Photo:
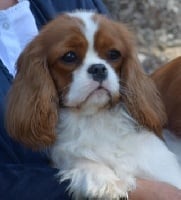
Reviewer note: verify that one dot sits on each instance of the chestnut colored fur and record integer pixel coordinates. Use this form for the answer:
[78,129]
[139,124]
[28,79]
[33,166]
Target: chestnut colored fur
[33,107]
[168,80]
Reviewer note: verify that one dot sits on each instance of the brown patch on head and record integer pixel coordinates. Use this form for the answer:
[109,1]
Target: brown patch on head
[106,39]
[72,42]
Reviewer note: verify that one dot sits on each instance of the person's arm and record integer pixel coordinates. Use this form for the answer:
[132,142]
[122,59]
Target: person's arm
[153,190]
[26,182]
[4,4]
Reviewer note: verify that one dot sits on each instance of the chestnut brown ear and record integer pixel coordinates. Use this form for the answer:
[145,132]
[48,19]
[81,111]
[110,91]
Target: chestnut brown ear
[32,110]
[141,96]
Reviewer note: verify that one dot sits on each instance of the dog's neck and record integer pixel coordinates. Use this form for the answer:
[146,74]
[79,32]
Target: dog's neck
[72,120]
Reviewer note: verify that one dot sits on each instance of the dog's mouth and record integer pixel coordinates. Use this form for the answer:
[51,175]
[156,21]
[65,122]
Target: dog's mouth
[99,92]
[97,97]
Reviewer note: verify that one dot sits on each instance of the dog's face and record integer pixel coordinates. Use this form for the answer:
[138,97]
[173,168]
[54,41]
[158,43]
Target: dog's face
[84,62]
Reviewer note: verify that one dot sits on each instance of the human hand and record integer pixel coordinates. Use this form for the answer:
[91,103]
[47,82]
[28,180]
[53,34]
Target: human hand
[152,190]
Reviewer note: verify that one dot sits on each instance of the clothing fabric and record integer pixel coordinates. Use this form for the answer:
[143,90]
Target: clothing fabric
[24,174]
[18,27]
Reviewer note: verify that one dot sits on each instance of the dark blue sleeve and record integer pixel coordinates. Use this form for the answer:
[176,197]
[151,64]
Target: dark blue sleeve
[30,182]
[44,12]
[24,174]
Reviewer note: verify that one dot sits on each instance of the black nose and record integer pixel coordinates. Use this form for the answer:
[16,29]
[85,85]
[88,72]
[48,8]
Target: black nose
[98,71]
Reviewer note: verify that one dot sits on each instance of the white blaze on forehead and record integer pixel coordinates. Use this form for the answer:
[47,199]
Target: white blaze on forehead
[89,27]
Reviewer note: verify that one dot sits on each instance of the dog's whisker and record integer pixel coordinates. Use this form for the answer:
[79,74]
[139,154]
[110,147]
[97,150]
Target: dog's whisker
[125,91]
[65,87]
[121,81]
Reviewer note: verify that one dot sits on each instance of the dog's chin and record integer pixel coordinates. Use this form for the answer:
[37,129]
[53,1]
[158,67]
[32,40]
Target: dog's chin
[99,96]
[92,102]
[96,100]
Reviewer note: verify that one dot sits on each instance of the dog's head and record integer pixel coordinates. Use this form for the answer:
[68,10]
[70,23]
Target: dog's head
[85,62]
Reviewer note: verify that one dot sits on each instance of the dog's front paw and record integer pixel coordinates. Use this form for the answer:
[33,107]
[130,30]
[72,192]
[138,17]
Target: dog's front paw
[100,184]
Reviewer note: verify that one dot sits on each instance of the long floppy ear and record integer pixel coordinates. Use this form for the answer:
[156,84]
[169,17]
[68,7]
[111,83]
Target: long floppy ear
[32,110]
[141,96]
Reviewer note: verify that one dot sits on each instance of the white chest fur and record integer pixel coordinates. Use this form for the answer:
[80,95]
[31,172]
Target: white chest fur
[111,140]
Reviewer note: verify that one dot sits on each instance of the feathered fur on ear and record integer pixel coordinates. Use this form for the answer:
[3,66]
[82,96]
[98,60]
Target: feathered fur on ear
[141,96]
[32,110]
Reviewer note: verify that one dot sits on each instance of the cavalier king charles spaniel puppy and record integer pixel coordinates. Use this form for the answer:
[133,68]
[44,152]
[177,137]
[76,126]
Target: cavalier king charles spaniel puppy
[80,92]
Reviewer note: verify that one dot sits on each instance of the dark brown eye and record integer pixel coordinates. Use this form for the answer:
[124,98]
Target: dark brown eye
[113,55]
[69,57]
